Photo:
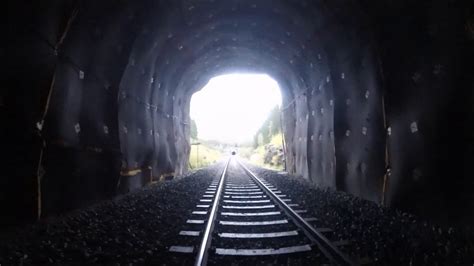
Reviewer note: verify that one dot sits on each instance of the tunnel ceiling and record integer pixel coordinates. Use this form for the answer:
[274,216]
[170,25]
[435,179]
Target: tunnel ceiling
[370,92]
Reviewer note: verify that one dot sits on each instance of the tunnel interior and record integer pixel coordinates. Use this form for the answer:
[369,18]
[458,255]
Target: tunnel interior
[376,96]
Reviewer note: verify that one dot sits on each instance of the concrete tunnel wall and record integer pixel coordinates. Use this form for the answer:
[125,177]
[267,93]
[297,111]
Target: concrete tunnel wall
[377,97]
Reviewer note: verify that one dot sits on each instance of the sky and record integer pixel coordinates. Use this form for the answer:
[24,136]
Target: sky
[232,107]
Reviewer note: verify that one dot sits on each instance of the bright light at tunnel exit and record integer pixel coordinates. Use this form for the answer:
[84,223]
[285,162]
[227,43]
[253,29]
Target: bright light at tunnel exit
[231,108]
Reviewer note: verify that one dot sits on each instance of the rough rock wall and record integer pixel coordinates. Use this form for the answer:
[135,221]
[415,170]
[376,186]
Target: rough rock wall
[377,100]
[82,155]
[426,58]
[336,136]
[33,32]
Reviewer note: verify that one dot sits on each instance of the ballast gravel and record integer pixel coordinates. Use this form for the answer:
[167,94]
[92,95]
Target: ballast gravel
[377,235]
[138,228]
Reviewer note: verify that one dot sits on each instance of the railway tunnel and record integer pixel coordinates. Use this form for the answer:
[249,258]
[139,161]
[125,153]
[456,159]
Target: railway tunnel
[377,96]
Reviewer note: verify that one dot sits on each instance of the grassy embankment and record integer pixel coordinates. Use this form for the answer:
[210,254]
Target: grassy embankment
[208,154]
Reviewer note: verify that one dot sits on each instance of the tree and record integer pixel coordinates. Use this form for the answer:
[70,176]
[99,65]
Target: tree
[269,128]
[194,130]
[260,139]
[255,141]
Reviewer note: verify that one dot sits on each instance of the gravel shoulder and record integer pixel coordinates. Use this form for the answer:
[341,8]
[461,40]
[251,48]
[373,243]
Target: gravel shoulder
[136,228]
[139,227]
[385,236]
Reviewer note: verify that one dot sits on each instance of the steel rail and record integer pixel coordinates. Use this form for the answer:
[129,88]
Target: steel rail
[201,257]
[324,244]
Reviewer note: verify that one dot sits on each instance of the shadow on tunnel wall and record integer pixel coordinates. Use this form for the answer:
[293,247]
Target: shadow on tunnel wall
[377,97]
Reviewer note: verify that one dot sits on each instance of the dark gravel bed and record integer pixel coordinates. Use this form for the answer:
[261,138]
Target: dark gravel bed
[138,228]
[386,236]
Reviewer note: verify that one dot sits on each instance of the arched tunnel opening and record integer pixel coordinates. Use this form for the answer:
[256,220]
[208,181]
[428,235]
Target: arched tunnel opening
[231,108]
[376,97]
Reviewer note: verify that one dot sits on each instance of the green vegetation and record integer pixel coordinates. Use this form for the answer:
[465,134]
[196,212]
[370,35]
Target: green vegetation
[194,129]
[209,153]
[269,155]
[270,128]
[267,148]
[203,153]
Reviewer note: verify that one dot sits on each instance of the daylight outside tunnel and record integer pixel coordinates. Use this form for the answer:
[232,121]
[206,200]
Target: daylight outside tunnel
[376,109]
[239,113]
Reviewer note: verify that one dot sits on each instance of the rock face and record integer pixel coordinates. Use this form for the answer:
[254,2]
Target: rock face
[273,155]
[377,97]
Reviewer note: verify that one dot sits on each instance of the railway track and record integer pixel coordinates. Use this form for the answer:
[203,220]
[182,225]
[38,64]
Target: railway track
[243,219]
